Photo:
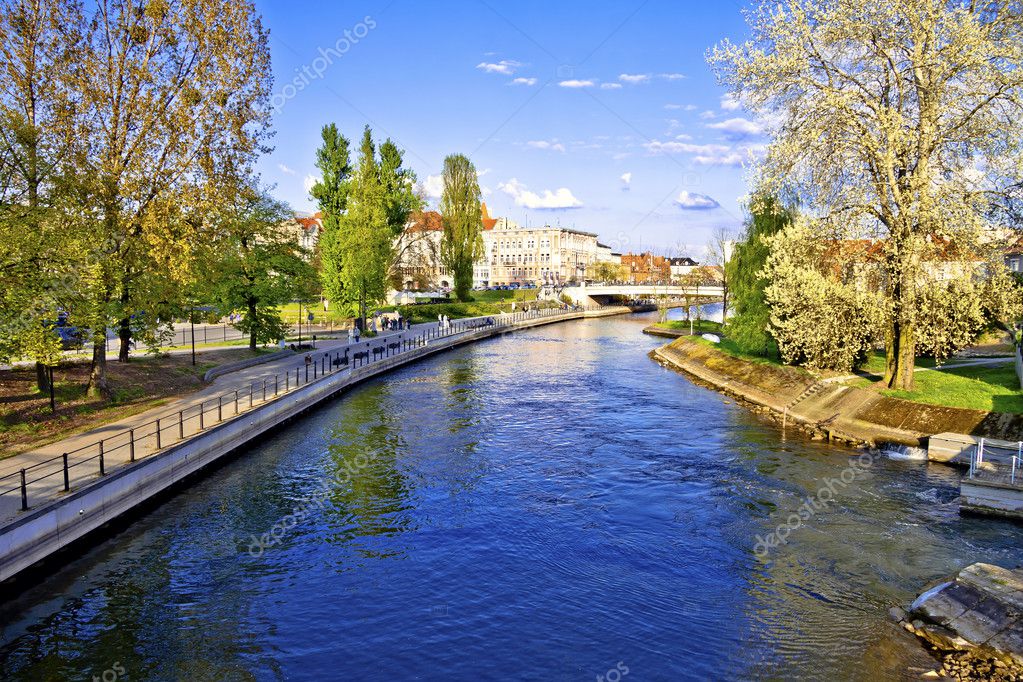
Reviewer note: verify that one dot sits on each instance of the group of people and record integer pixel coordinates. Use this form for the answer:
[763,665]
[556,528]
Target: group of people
[444,322]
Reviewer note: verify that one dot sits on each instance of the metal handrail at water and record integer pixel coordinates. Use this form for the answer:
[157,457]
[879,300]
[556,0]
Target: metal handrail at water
[132,444]
[994,461]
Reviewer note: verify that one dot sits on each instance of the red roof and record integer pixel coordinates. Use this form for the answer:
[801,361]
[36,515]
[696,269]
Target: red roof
[427,221]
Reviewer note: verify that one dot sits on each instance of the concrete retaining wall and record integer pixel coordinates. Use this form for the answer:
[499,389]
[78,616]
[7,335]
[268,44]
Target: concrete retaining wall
[42,531]
[832,410]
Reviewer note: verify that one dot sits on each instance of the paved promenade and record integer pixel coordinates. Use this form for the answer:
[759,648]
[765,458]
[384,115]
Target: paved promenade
[136,436]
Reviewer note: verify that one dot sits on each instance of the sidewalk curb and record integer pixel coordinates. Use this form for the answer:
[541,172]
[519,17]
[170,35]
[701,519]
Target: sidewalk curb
[220,370]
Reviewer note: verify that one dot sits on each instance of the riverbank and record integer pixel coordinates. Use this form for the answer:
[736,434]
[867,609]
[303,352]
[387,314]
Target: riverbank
[828,410]
[51,526]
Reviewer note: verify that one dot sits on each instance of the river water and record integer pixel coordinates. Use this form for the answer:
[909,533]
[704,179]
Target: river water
[550,504]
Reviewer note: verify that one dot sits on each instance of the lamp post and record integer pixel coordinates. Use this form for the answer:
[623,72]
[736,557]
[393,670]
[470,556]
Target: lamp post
[191,320]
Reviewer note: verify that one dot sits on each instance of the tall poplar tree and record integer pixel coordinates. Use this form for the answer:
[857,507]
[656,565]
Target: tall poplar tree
[365,240]
[462,243]
[331,194]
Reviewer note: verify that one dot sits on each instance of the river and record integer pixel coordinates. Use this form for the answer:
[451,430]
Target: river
[550,504]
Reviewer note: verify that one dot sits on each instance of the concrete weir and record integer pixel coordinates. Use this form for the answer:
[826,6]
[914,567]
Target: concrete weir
[43,531]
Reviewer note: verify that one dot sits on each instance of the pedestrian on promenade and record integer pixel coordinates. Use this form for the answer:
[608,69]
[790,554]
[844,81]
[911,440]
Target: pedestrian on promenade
[351,333]
[440,320]
[357,333]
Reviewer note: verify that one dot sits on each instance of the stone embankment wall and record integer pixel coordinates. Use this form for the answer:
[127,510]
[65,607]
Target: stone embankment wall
[854,415]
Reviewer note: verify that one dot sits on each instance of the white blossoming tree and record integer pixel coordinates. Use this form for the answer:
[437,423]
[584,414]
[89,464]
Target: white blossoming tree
[899,120]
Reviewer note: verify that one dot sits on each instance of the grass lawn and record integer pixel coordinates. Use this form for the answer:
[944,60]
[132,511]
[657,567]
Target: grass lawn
[699,326]
[989,388]
[136,386]
[729,347]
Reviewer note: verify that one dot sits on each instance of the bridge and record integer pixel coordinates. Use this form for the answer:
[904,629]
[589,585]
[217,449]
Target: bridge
[604,293]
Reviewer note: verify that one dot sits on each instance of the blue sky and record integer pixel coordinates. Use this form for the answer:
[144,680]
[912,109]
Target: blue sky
[602,117]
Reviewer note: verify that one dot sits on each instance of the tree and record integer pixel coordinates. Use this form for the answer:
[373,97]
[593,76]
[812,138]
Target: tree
[258,266]
[173,96]
[331,193]
[604,271]
[898,119]
[817,320]
[364,248]
[749,326]
[37,130]
[462,243]
[719,252]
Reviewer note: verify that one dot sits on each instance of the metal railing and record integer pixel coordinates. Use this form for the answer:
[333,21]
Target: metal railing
[997,462]
[149,438]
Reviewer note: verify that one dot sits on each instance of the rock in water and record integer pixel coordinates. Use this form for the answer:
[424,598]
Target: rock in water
[977,616]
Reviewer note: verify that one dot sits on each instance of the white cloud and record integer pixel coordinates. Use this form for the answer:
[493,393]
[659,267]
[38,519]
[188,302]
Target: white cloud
[729,103]
[481,173]
[505,66]
[707,115]
[553,145]
[738,127]
[576,84]
[524,81]
[672,76]
[710,154]
[634,78]
[561,198]
[434,186]
[691,201]
[610,86]
[680,107]
[284,169]
[309,181]
[626,181]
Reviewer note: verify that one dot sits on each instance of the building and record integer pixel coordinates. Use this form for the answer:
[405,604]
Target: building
[305,231]
[512,254]
[680,267]
[646,268]
[536,255]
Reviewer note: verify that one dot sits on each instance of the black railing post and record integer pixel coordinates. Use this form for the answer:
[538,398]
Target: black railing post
[220,408]
[24,492]
[276,382]
[131,445]
[181,425]
[202,416]
[264,389]
[158,434]
[67,479]
[102,471]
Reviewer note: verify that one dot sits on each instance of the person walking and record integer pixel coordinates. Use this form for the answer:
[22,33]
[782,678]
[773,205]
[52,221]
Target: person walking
[357,334]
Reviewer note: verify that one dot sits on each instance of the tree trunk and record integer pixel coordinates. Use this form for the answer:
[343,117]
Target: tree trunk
[251,313]
[42,378]
[900,338]
[124,334]
[98,387]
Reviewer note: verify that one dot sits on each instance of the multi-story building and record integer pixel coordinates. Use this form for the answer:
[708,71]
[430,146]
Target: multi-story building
[680,267]
[512,254]
[646,268]
[305,231]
